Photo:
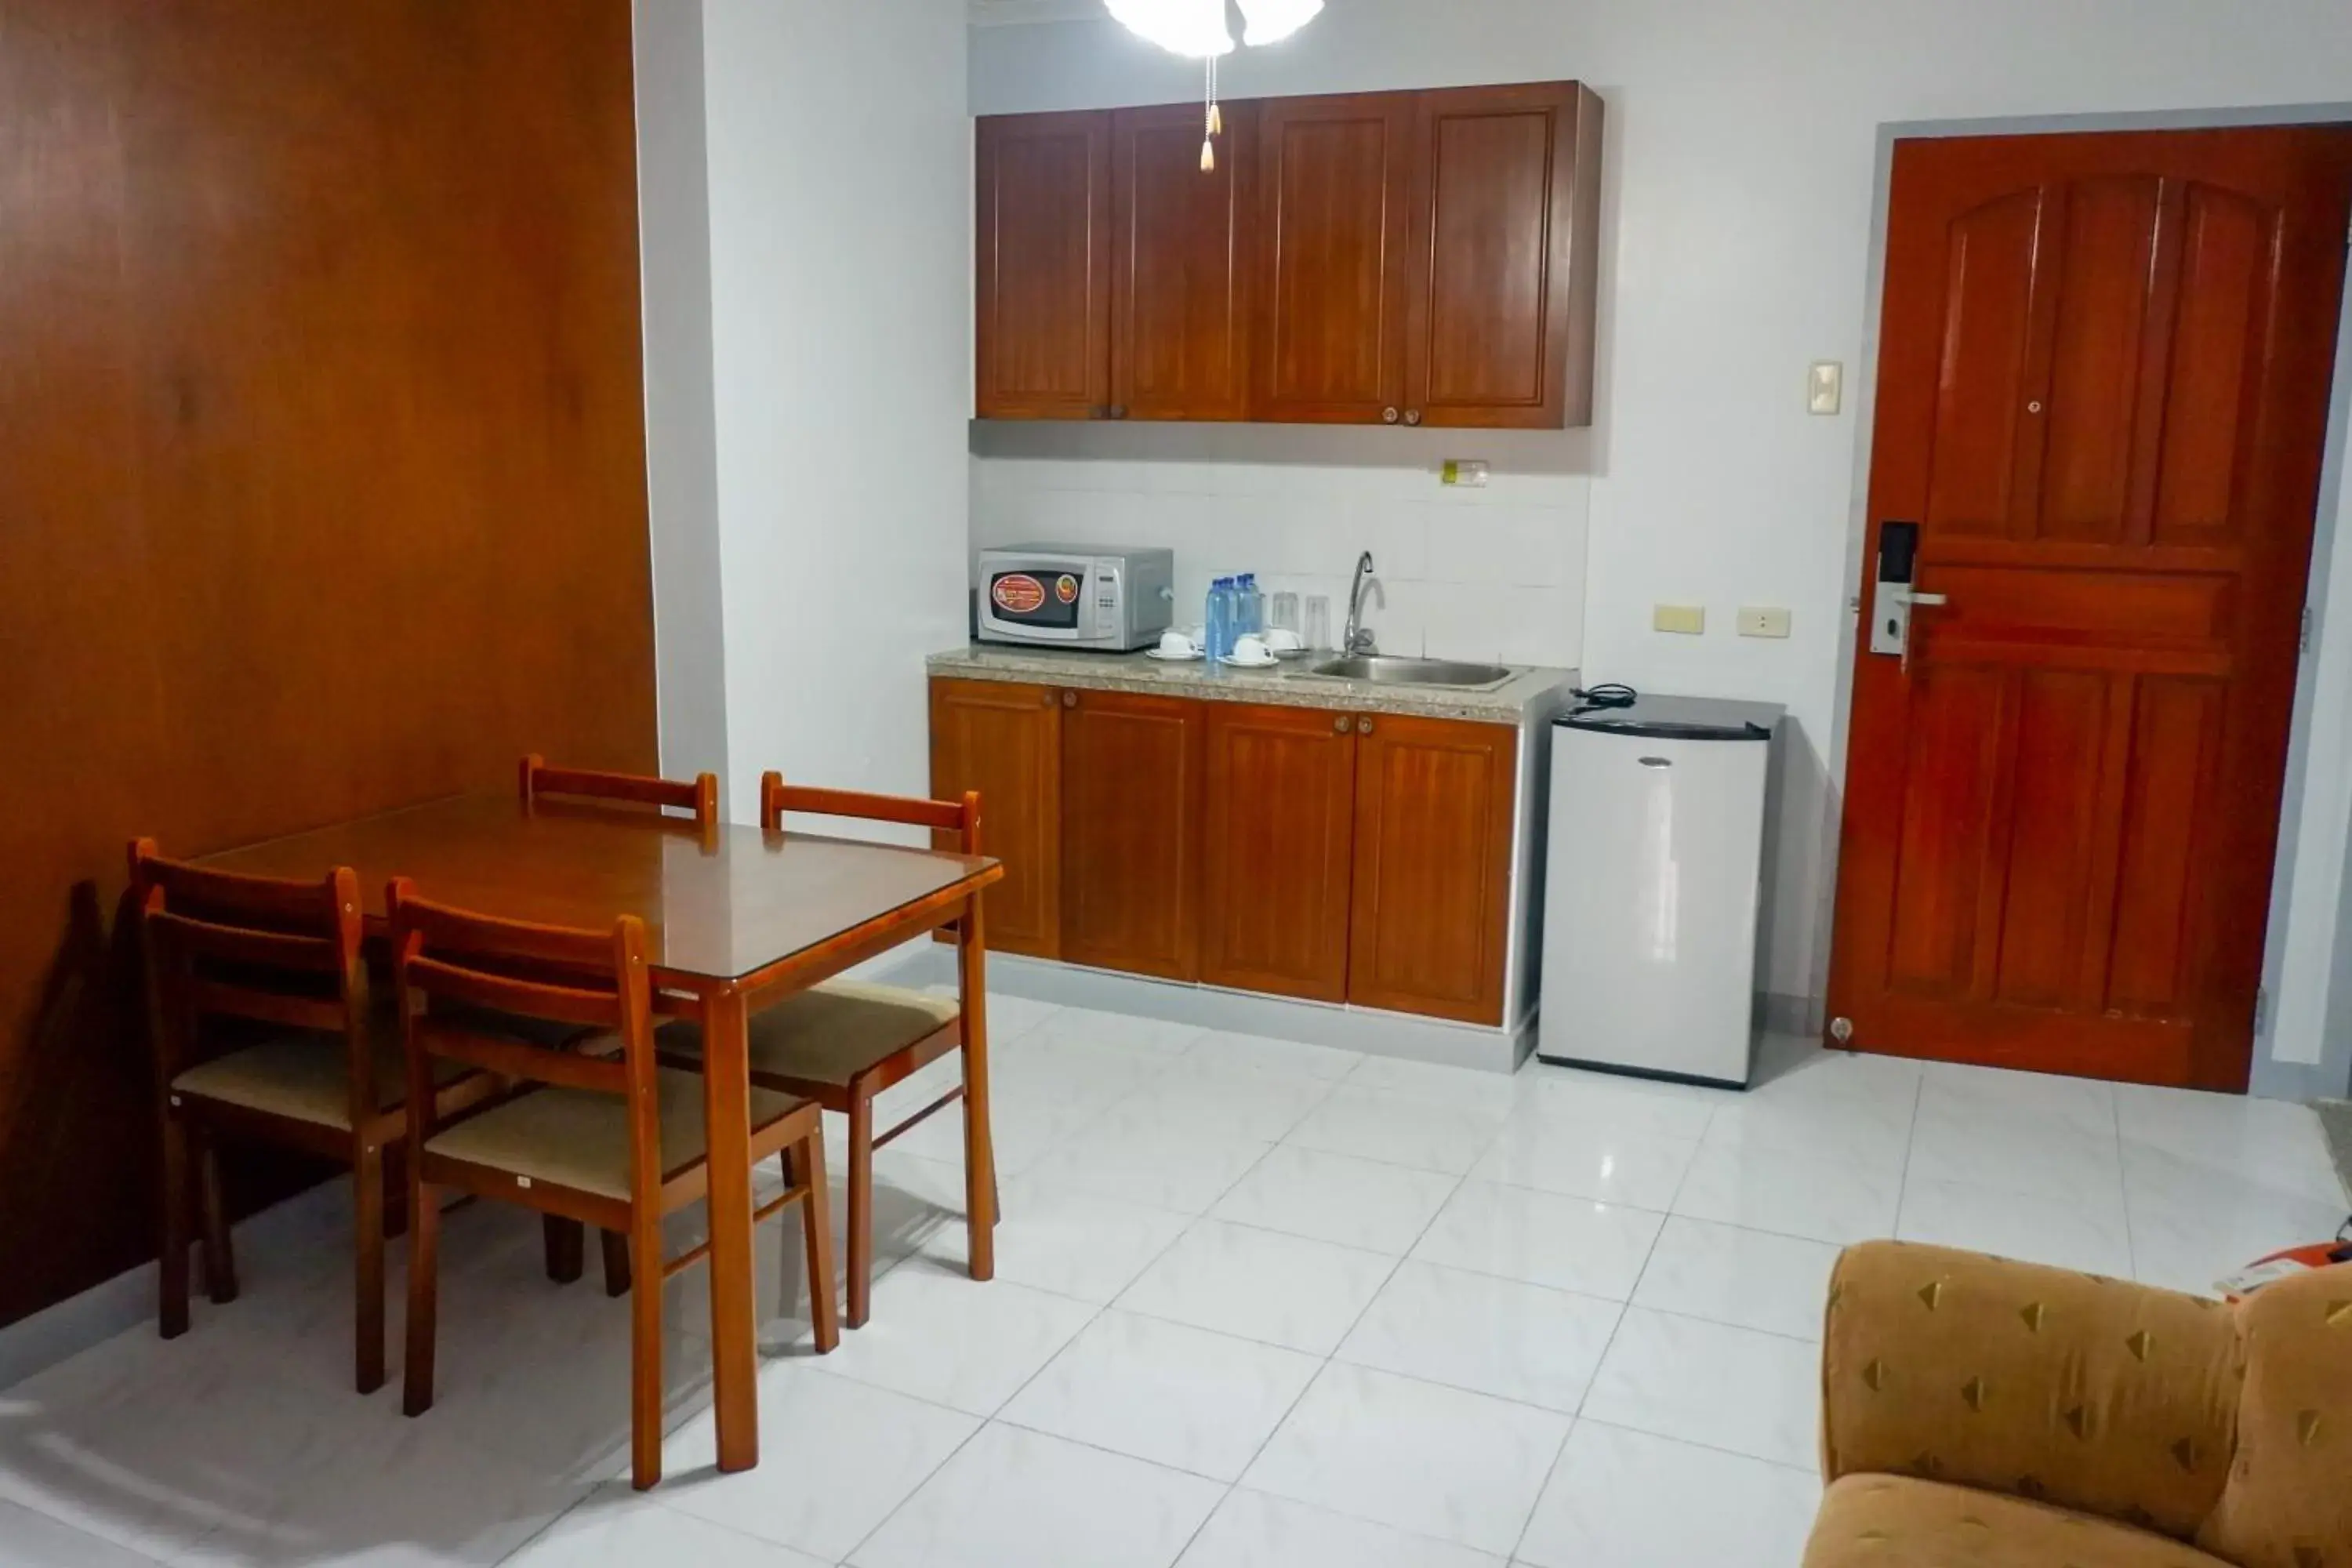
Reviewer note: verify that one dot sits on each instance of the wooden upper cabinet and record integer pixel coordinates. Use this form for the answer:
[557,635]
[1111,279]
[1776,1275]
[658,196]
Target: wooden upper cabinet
[1505,204]
[1005,741]
[1180,243]
[1278,849]
[1130,833]
[1044,300]
[1435,800]
[1334,184]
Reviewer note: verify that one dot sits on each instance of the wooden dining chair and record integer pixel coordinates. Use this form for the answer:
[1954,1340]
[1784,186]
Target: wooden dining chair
[613,1141]
[699,798]
[261,1027]
[842,1042]
[565,1241]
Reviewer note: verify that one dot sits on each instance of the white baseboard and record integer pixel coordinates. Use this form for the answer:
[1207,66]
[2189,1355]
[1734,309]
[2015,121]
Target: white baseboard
[1239,1012]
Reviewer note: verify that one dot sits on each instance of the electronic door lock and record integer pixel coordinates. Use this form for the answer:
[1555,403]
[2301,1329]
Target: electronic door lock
[1894,597]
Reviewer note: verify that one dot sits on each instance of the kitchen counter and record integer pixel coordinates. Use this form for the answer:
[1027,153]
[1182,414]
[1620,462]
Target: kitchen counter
[1528,689]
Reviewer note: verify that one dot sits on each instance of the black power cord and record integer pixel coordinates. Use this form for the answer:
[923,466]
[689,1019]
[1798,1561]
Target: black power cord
[1596,698]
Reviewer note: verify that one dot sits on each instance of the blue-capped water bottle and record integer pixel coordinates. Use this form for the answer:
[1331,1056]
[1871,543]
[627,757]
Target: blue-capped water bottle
[1249,607]
[1218,638]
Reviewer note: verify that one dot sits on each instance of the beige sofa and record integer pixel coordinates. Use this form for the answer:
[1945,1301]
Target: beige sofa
[1982,1412]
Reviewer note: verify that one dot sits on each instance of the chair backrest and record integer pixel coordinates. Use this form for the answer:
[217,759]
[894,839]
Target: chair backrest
[497,977]
[700,797]
[255,947]
[954,824]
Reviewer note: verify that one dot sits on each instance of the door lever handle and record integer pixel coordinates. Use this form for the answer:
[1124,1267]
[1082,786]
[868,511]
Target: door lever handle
[1930,600]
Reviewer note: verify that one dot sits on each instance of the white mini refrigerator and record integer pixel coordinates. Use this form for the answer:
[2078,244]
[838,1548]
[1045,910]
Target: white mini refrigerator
[1653,887]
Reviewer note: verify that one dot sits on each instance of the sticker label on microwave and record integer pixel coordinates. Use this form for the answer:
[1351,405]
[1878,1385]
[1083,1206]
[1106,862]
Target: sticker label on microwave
[1017,594]
[1065,588]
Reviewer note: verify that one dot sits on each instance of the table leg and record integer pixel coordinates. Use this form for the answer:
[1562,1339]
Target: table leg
[979,1149]
[734,1311]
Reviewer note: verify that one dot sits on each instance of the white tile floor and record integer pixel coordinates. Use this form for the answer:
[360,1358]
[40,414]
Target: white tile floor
[1258,1305]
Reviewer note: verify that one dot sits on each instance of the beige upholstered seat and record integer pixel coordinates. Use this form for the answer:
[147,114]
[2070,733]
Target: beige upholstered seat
[580,1139]
[830,1033]
[302,1075]
[1872,1522]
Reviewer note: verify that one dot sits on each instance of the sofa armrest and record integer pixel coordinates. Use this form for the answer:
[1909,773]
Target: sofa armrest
[2096,1395]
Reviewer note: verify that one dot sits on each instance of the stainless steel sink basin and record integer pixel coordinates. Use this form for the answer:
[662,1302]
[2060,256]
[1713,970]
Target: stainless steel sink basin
[1381,671]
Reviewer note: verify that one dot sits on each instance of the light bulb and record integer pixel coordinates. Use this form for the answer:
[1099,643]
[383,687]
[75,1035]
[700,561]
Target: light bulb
[1194,28]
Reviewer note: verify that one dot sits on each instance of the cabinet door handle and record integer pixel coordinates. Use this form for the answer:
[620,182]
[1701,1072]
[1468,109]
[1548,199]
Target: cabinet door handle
[1069,700]
[1341,724]
[1363,726]
[1413,416]
[1387,415]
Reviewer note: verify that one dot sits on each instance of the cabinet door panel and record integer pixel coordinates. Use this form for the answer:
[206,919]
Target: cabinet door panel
[1179,255]
[1004,741]
[1044,243]
[1434,801]
[1334,180]
[1130,833]
[1501,302]
[1279,850]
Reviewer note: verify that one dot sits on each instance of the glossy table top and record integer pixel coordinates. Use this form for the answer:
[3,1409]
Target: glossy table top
[717,908]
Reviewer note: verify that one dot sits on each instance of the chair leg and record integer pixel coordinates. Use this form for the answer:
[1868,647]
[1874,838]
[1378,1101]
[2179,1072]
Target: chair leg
[645,1353]
[861,1206]
[978,1178]
[567,1248]
[423,1295]
[367,1295]
[816,1230]
[174,1259]
[616,1261]
[220,1258]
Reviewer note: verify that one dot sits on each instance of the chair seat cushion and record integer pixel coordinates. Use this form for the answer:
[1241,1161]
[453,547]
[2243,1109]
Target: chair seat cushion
[303,1075]
[1893,1522]
[580,1139]
[830,1033]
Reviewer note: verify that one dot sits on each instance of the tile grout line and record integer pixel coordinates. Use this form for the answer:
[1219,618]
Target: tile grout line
[1910,1148]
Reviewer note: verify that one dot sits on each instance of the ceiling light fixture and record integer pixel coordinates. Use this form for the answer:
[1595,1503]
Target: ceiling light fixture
[1198,29]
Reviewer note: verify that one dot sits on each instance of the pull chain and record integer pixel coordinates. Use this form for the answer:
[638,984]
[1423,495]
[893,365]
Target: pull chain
[1216,122]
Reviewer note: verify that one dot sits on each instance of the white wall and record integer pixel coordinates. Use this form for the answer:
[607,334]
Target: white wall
[1742,168]
[681,439]
[839,201]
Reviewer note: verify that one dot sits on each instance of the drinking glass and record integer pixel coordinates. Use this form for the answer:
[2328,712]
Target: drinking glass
[1317,633]
[1282,612]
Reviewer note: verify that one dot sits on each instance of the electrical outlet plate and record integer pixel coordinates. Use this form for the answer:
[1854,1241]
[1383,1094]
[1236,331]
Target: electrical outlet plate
[1825,388]
[1467,473]
[1758,622]
[1689,620]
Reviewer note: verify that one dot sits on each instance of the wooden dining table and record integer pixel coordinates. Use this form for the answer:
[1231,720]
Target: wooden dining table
[735,919]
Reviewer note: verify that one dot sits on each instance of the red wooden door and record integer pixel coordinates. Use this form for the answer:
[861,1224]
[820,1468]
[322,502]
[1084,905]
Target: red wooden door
[2103,380]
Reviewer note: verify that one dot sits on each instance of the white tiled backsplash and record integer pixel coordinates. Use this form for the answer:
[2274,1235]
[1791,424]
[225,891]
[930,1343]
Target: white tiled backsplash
[1494,574]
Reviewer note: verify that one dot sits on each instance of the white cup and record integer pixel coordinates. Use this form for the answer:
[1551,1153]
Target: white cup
[1282,639]
[1251,650]
[1176,645]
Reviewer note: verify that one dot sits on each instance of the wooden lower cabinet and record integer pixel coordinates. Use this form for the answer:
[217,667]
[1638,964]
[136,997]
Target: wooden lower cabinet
[1005,741]
[1331,855]
[1131,834]
[1435,800]
[1278,850]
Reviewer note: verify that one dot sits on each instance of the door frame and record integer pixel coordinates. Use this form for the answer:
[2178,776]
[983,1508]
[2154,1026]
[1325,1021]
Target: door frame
[2308,877]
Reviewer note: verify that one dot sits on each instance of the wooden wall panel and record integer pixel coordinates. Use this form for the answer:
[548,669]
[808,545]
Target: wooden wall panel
[321,480]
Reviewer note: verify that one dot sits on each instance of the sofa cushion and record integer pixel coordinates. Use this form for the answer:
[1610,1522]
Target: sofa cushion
[2046,1385]
[2289,1502]
[1895,1522]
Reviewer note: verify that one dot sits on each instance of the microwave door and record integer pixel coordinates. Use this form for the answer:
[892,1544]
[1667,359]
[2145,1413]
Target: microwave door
[1036,601]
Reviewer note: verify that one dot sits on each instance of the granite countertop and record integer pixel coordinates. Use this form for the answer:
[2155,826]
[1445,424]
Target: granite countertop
[1287,686]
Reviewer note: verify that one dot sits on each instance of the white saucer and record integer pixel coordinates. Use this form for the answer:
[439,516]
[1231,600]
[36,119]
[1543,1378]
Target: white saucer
[1231,662]
[1172,657]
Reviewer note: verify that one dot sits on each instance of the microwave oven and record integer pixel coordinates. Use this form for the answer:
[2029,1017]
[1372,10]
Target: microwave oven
[1105,598]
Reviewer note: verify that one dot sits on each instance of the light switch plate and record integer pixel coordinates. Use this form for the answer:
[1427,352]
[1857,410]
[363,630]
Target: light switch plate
[1756,622]
[1688,620]
[1825,388]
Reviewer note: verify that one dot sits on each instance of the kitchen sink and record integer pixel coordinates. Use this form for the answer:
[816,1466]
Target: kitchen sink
[1383,670]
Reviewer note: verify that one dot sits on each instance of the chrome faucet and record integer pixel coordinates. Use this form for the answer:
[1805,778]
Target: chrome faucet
[1359,638]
